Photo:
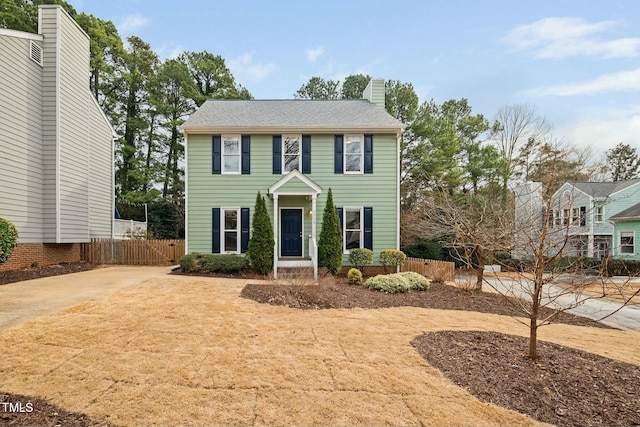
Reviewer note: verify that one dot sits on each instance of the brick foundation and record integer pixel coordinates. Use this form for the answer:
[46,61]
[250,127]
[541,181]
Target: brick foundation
[28,254]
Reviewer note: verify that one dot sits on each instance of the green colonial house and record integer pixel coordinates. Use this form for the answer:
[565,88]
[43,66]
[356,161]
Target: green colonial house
[292,152]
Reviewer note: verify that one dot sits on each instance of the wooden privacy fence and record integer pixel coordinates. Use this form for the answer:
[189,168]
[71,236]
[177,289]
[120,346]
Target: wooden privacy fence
[431,269]
[133,252]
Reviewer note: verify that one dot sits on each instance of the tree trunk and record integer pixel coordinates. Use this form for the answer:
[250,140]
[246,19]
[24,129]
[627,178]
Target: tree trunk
[479,277]
[533,336]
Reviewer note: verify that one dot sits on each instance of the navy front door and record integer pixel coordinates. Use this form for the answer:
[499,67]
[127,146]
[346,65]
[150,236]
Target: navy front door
[291,232]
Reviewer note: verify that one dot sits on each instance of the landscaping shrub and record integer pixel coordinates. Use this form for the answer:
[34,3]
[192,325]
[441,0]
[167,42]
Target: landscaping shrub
[330,242]
[223,263]
[361,257]
[398,282]
[354,276]
[261,244]
[189,262]
[417,282]
[8,239]
[392,259]
[620,267]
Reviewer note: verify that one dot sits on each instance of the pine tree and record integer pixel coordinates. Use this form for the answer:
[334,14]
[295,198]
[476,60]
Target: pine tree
[330,243]
[260,249]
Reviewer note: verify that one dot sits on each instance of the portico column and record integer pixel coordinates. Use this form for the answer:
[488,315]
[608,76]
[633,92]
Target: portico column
[313,235]
[275,235]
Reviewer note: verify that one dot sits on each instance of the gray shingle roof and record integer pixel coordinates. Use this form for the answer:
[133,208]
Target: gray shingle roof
[604,189]
[282,114]
[632,212]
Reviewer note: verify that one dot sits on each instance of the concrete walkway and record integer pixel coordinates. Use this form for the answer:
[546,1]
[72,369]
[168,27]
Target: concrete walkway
[624,317]
[24,301]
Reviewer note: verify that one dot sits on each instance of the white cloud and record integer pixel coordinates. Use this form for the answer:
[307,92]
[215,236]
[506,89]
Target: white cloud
[244,69]
[623,81]
[313,54]
[132,23]
[170,52]
[605,132]
[564,37]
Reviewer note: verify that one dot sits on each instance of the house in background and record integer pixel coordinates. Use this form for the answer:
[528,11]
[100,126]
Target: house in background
[292,152]
[626,232]
[56,144]
[585,213]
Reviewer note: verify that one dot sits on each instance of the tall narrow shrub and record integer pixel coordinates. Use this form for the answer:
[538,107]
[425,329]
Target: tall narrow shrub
[260,249]
[330,243]
[8,239]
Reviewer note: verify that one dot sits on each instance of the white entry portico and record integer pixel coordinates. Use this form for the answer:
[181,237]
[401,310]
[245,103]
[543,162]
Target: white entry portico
[287,223]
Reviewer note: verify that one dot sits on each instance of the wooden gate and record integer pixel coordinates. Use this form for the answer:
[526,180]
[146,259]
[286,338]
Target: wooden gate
[133,252]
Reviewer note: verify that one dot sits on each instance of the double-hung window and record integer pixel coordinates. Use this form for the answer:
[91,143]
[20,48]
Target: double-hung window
[599,213]
[575,216]
[230,230]
[353,153]
[231,154]
[291,152]
[353,229]
[627,242]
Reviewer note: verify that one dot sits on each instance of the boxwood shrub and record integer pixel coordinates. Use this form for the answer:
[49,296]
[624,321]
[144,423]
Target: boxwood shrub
[391,259]
[213,263]
[398,282]
[189,262]
[354,276]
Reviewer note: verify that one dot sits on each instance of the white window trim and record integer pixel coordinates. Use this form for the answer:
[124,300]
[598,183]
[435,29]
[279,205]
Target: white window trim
[633,248]
[345,154]
[595,214]
[223,230]
[282,156]
[239,155]
[575,217]
[344,226]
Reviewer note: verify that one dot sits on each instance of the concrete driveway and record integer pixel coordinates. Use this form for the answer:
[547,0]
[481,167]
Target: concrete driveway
[24,301]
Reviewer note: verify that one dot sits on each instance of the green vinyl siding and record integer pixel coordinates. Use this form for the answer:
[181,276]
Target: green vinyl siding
[627,226]
[378,190]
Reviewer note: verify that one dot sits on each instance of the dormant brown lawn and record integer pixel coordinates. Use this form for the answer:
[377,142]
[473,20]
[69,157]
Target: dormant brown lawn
[190,351]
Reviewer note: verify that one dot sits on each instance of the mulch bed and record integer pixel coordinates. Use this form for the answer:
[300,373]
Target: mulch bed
[564,386]
[440,296]
[12,276]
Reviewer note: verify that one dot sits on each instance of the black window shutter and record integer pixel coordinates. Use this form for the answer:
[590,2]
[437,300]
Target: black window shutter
[306,153]
[338,158]
[368,154]
[216,151]
[277,154]
[368,228]
[246,154]
[583,216]
[340,218]
[215,234]
[244,229]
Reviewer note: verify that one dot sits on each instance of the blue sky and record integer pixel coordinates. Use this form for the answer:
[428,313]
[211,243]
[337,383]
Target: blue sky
[576,61]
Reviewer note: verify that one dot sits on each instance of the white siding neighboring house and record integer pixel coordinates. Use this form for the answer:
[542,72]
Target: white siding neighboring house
[56,144]
[581,211]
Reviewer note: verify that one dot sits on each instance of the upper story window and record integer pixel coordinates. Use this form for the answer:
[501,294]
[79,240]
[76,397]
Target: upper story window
[598,215]
[231,154]
[353,153]
[291,152]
